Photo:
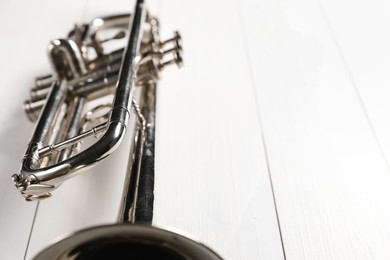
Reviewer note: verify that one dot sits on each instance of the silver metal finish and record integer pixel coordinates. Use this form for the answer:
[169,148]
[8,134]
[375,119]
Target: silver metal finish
[127,241]
[75,80]
[60,104]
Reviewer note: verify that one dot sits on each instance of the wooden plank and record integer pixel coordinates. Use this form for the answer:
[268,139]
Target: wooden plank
[364,45]
[329,177]
[363,42]
[212,179]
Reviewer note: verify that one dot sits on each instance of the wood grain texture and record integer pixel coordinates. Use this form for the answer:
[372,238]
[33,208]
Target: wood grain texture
[292,94]
[329,176]
[212,172]
[212,179]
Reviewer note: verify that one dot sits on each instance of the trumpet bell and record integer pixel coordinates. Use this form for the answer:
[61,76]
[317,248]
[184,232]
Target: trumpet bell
[126,241]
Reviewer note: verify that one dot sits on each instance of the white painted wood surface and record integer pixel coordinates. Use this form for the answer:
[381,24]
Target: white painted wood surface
[329,176]
[272,142]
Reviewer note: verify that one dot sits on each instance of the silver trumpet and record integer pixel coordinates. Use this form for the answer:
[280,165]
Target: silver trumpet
[91,93]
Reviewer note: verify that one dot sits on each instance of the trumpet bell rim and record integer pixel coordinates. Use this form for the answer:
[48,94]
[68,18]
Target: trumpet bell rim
[126,241]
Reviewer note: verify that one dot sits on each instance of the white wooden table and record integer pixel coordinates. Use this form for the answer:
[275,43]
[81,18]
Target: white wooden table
[273,142]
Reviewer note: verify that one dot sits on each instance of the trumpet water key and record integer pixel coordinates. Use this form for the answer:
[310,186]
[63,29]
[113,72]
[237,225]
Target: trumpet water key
[91,93]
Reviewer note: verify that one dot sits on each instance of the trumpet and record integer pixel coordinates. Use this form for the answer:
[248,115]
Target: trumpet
[91,93]
[60,100]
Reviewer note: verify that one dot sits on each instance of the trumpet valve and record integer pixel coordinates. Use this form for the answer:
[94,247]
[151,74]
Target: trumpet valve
[174,53]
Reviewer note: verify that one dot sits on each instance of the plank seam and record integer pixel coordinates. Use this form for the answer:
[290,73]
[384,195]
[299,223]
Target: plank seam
[31,230]
[258,111]
[353,82]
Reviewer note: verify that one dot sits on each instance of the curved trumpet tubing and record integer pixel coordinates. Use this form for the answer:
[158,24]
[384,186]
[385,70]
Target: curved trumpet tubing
[71,105]
[83,71]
